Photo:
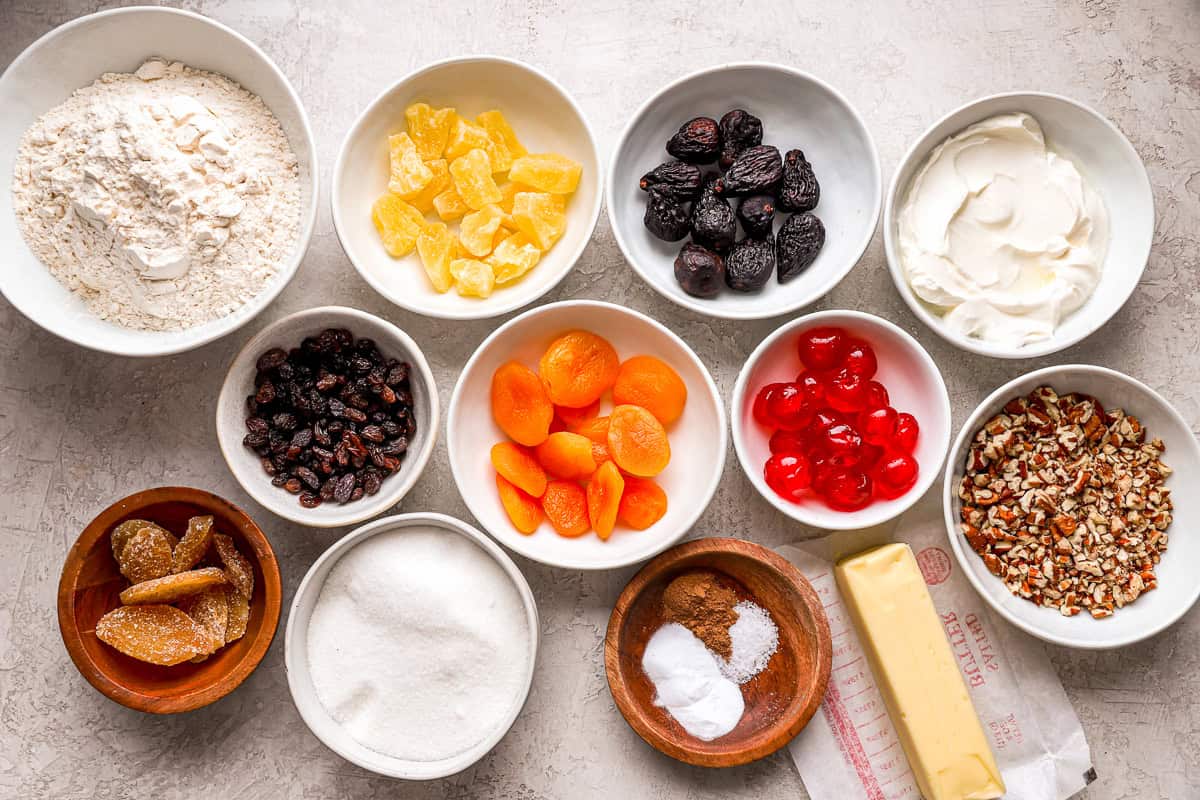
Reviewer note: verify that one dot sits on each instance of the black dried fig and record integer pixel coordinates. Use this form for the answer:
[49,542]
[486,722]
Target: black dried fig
[750,264]
[799,241]
[666,217]
[698,141]
[757,215]
[675,178]
[800,190]
[757,170]
[700,271]
[713,223]
[740,130]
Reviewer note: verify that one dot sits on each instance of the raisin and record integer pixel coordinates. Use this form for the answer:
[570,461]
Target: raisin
[272,359]
[698,141]
[713,223]
[740,130]
[756,170]
[373,433]
[699,270]
[309,500]
[284,421]
[750,264]
[800,190]
[757,215]
[344,488]
[675,178]
[292,485]
[666,217]
[799,241]
[302,438]
[265,394]
[257,425]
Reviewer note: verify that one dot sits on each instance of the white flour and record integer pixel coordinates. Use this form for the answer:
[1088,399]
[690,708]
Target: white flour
[164,198]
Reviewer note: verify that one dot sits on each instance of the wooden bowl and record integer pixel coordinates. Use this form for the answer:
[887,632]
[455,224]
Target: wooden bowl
[780,700]
[90,586]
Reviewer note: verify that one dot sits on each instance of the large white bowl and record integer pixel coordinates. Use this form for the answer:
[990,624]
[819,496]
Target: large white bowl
[299,677]
[73,56]
[1177,589]
[797,110]
[288,333]
[1106,160]
[545,118]
[913,382]
[698,438]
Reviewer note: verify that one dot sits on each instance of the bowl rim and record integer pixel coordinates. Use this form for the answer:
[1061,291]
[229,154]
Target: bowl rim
[519,543]
[994,401]
[352,513]
[295,658]
[221,326]
[272,595]
[854,520]
[920,149]
[695,304]
[766,558]
[488,308]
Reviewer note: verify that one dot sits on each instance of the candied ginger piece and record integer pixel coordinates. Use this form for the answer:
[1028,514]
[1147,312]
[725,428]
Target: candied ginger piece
[398,224]
[210,610]
[472,174]
[478,229]
[449,205]
[121,534]
[547,172]
[423,200]
[148,555]
[237,569]
[466,136]
[239,614]
[409,174]
[473,277]
[194,544]
[172,587]
[513,257]
[429,128]
[435,246]
[500,131]
[540,216]
[156,634]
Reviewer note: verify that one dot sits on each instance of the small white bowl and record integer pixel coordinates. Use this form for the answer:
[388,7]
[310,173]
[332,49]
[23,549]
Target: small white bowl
[698,438]
[1177,589]
[295,657]
[1106,160]
[288,333]
[913,382]
[797,110]
[73,56]
[545,118]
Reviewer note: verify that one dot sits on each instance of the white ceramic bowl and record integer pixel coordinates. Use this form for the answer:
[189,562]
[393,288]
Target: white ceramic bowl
[1106,160]
[698,438]
[288,333]
[545,118]
[798,111]
[304,695]
[1177,589]
[913,382]
[73,56]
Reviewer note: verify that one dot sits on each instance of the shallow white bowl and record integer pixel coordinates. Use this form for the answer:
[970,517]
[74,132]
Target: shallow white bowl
[73,56]
[288,333]
[1177,589]
[1106,160]
[797,111]
[913,382]
[698,438]
[304,695]
[545,118]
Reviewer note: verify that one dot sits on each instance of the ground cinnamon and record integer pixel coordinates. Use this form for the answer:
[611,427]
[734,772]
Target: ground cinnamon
[704,605]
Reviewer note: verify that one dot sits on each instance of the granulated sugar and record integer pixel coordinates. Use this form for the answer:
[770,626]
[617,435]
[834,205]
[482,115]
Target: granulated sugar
[755,639]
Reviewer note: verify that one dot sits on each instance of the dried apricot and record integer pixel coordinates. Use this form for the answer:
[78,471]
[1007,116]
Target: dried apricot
[210,610]
[547,172]
[524,511]
[429,128]
[237,569]
[518,466]
[149,554]
[651,383]
[578,367]
[520,404]
[637,441]
[604,493]
[157,634]
[194,544]
[567,455]
[239,614]
[574,417]
[595,429]
[435,246]
[408,174]
[172,587]
[565,504]
[600,452]
[643,503]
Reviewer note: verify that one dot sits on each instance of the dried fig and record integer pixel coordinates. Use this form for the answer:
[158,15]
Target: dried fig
[674,179]
[800,190]
[713,223]
[698,141]
[699,270]
[750,264]
[799,241]
[666,217]
[756,170]
[740,130]
[757,215]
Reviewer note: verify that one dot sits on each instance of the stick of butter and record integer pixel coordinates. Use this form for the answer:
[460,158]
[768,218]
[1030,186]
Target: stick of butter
[916,672]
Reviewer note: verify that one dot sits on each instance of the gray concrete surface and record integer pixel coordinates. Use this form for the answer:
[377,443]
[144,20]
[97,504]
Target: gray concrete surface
[78,430]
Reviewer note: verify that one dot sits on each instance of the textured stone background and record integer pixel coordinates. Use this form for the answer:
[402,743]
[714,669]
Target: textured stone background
[79,430]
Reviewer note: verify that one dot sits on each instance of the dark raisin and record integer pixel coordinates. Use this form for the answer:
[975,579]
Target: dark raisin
[326,382]
[373,433]
[675,178]
[265,394]
[757,215]
[756,170]
[356,494]
[302,438]
[344,488]
[279,480]
[397,375]
[293,485]
[698,141]
[308,476]
[371,482]
[328,488]
[257,425]
[269,466]
[666,217]
[800,190]
[337,408]
[750,264]
[799,241]
[254,440]
[395,447]
[700,271]
[355,415]
[740,130]
[272,359]
[713,223]
[284,421]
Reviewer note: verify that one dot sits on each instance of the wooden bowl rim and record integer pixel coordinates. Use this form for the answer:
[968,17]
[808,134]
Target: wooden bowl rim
[785,729]
[271,594]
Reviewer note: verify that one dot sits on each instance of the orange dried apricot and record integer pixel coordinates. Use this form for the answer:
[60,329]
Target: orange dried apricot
[595,429]
[518,466]
[565,504]
[523,511]
[578,367]
[574,417]
[600,452]
[642,504]
[637,441]
[567,455]
[520,404]
[604,492]
[651,383]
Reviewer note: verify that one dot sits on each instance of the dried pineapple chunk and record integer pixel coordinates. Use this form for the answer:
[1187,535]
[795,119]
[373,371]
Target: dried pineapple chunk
[409,175]
[473,277]
[478,229]
[547,172]
[398,224]
[435,246]
[510,190]
[472,174]
[429,128]
[500,131]
[513,257]
[423,201]
[540,216]
[449,205]
[464,136]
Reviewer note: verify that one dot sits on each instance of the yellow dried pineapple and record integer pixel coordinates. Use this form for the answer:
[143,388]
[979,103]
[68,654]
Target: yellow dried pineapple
[500,131]
[435,246]
[449,205]
[423,200]
[429,128]
[464,136]
[478,229]
[473,278]
[510,190]
[547,172]
[398,224]
[472,174]
[540,216]
[513,257]
[409,175]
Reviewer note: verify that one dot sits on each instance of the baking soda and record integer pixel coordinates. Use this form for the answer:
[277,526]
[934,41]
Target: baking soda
[688,683]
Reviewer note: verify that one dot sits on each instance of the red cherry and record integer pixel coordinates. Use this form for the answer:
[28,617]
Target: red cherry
[877,395]
[761,400]
[813,386]
[788,408]
[788,475]
[847,392]
[860,359]
[839,438]
[823,419]
[907,431]
[878,425]
[788,442]
[822,348]
[894,475]
[847,490]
